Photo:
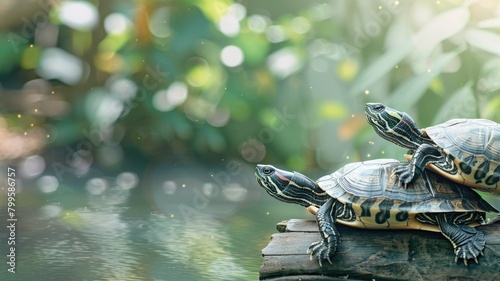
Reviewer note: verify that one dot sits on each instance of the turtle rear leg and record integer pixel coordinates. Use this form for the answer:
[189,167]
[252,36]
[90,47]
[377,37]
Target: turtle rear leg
[468,243]
[325,249]
[422,156]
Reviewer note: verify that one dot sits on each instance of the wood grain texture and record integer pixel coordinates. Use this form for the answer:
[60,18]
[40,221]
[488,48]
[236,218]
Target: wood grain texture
[376,254]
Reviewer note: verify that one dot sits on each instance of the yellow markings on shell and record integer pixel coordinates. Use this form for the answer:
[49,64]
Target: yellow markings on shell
[369,223]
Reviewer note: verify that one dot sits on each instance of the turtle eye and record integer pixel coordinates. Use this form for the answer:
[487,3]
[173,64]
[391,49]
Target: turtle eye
[378,107]
[267,170]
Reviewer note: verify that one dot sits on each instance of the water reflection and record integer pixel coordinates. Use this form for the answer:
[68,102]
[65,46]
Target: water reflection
[200,244]
[50,211]
[95,238]
[178,226]
[108,236]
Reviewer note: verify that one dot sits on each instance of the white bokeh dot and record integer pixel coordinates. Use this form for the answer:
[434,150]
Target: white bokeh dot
[168,99]
[47,184]
[229,25]
[231,56]
[116,23]
[80,15]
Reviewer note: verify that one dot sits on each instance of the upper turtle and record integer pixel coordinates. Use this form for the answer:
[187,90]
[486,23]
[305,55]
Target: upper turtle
[466,151]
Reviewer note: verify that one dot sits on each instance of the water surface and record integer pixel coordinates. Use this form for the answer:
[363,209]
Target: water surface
[165,224]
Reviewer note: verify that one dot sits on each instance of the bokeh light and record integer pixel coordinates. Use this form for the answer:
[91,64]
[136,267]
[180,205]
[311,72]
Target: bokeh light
[116,23]
[80,15]
[169,187]
[275,34]
[159,22]
[32,166]
[219,118]
[229,25]
[258,23]
[238,10]
[47,184]
[234,192]
[123,88]
[168,99]
[300,25]
[96,186]
[127,180]
[102,108]
[58,64]
[231,56]
[283,63]
[199,73]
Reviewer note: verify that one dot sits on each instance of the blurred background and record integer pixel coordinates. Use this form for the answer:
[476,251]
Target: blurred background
[134,126]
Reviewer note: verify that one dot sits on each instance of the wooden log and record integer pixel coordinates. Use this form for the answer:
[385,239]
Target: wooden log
[376,254]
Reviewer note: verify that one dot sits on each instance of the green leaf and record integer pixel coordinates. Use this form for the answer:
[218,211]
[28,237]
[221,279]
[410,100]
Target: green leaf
[379,68]
[441,27]
[484,40]
[431,34]
[489,76]
[408,93]
[461,104]
[492,110]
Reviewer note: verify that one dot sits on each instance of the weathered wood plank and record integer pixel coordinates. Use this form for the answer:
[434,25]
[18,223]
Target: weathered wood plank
[289,244]
[377,254]
[297,225]
[312,278]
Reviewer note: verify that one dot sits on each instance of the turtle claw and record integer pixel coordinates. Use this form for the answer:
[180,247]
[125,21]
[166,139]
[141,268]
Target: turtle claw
[321,252]
[405,178]
[404,174]
[472,249]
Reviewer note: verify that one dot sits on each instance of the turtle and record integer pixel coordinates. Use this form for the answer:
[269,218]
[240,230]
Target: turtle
[368,195]
[466,151]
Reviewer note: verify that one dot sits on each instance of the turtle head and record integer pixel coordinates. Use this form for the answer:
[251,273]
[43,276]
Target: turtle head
[290,187]
[394,126]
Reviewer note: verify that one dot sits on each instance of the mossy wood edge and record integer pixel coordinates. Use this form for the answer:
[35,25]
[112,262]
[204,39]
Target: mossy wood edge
[375,254]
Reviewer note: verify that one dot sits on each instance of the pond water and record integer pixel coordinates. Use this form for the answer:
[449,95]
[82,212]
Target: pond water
[165,223]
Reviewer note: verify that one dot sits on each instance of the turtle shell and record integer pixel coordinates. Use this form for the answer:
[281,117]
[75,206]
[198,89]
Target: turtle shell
[474,147]
[372,193]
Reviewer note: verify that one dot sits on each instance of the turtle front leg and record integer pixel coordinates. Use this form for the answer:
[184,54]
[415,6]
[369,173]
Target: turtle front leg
[325,249]
[423,155]
[468,243]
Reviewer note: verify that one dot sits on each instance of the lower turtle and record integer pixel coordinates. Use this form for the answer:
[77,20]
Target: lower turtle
[368,195]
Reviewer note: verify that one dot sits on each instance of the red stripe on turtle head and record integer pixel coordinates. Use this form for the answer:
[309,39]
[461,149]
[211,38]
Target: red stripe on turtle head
[282,177]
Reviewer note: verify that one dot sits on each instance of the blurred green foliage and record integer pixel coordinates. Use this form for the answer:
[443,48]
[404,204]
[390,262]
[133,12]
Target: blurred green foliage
[159,78]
